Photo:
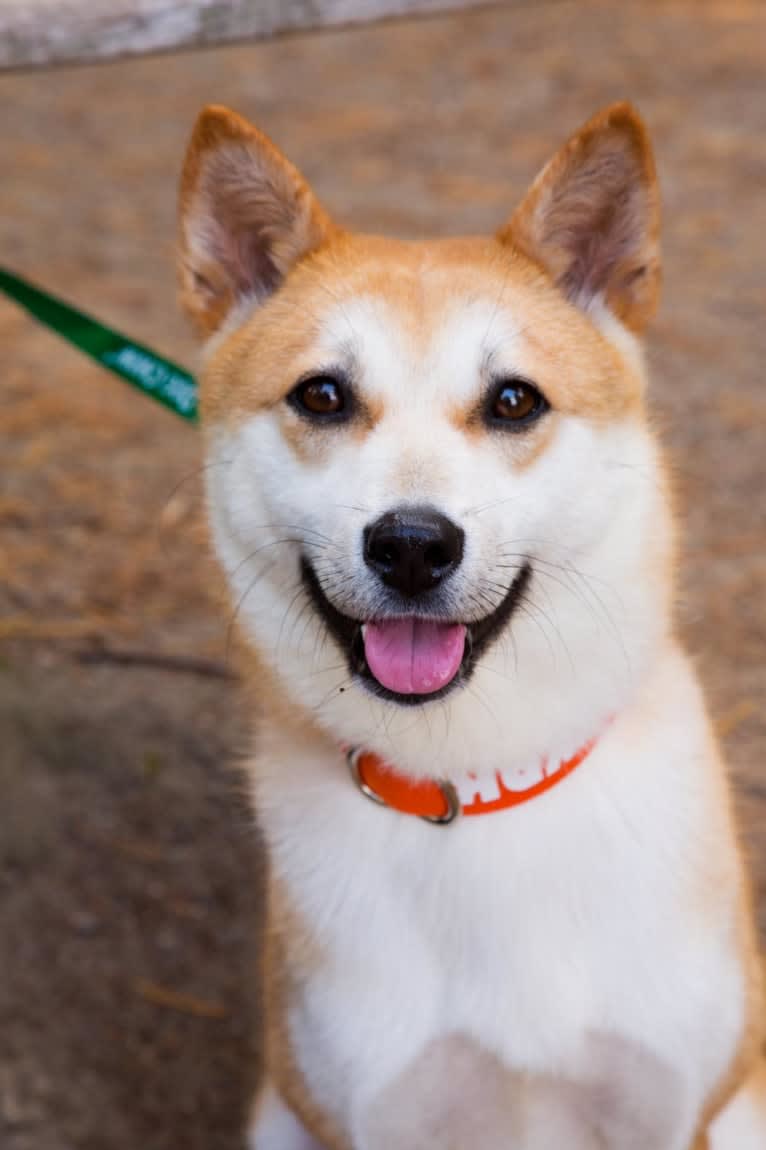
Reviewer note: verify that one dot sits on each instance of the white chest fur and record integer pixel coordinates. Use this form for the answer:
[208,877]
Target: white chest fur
[602,913]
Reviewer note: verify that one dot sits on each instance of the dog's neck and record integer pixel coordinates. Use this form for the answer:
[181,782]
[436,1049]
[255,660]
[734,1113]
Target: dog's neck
[441,803]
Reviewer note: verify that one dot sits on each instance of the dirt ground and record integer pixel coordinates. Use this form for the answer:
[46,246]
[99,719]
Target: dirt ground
[129,871]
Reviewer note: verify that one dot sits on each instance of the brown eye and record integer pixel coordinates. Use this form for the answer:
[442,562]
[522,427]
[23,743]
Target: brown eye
[321,397]
[515,402]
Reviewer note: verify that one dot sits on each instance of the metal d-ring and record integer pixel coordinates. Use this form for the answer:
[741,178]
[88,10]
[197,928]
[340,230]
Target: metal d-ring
[453,805]
[448,791]
[353,755]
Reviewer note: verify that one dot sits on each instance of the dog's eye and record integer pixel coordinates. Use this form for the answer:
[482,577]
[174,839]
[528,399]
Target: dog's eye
[515,402]
[320,397]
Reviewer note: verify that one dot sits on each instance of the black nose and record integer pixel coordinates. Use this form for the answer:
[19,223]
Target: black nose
[413,549]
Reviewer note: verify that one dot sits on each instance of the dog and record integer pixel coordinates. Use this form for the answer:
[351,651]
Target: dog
[507,906]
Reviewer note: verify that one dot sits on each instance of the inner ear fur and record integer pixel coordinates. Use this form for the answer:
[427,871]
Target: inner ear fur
[246,216]
[591,219]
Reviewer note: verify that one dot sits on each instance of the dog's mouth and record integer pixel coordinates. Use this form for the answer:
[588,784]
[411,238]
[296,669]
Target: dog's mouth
[411,659]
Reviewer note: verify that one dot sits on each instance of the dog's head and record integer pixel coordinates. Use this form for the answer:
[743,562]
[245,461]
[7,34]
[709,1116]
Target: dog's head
[431,483]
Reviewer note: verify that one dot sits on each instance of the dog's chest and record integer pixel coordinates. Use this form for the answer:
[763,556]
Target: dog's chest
[524,937]
[449,931]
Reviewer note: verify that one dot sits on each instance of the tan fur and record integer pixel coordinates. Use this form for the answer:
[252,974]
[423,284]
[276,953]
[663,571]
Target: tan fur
[310,267]
[254,188]
[524,450]
[290,952]
[290,956]
[261,361]
[751,1056]
[594,168]
[752,1045]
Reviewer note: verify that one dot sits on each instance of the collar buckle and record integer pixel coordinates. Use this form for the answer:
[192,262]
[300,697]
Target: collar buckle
[448,791]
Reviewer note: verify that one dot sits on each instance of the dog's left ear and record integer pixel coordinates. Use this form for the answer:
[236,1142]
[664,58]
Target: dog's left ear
[591,219]
[246,217]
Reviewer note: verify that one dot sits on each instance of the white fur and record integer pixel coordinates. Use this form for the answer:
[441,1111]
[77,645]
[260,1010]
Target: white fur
[585,513]
[542,930]
[530,931]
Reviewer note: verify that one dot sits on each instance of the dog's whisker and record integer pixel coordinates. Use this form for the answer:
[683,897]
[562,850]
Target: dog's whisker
[481,508]
[194,474]
[534,609]
[353,507]
[317,671]
[567,573]
[240,603]
[338,688]
[300,593]
[479,694]
[253,554]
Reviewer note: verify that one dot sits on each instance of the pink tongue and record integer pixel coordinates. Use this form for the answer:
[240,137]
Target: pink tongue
[414,656]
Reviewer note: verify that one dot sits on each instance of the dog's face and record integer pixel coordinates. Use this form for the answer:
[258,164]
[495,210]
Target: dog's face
[431,484]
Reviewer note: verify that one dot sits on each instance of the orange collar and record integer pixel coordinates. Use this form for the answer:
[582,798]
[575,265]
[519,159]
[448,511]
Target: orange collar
[438,801]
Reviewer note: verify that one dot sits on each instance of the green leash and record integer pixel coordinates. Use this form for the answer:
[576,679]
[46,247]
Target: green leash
[144,369]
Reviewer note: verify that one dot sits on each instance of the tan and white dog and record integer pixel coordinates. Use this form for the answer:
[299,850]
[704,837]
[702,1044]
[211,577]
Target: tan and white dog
[447,534]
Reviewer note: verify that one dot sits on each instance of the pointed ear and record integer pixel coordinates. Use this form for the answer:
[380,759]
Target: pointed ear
[246,216]
[591,219]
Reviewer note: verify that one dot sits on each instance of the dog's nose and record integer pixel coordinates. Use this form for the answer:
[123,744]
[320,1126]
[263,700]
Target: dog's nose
[413,549]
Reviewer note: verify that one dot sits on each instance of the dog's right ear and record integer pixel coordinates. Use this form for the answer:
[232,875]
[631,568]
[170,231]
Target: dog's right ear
[246,216]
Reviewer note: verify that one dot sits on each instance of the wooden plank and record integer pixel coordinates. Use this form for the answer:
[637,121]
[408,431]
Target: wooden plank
[40,32]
